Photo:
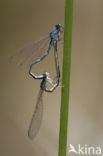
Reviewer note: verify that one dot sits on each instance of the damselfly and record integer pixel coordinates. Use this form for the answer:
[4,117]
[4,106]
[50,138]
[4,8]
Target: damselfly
[30,56]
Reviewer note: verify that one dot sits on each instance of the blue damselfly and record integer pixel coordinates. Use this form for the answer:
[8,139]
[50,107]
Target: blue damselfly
[33,54]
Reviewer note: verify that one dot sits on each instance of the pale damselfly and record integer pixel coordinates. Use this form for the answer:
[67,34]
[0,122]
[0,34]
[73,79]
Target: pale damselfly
[30,55]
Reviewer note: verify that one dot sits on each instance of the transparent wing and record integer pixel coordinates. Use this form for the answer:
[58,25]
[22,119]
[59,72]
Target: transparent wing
[25,56]
[37,117]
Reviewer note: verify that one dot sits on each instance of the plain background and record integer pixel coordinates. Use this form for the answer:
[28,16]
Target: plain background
[23,22]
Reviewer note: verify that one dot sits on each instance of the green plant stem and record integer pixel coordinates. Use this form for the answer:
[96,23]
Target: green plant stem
[66,78]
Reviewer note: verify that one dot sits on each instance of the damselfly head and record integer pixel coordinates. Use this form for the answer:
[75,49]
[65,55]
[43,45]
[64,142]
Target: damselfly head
[58,26]
[45,74]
